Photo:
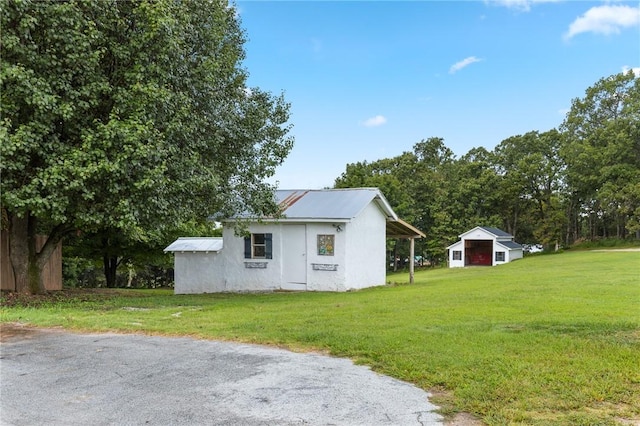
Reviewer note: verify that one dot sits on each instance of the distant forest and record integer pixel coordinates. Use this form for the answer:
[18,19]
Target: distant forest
[555,187]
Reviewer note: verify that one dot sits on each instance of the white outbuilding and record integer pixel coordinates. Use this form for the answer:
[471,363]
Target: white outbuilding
[484,246]
[326,240]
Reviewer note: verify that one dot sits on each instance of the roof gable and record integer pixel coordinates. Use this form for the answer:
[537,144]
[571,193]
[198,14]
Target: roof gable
[338,205]
[457,243]
[494,232]
[331,204]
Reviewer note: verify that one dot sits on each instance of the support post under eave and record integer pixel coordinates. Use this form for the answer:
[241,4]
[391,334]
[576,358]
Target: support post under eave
[412,259]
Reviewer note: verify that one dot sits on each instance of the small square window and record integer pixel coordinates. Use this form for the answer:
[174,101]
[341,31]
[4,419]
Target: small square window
[499,256]
[457,255]
[326,245]
[258,246]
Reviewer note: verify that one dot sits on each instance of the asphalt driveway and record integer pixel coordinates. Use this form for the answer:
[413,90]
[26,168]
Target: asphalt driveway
[52,377]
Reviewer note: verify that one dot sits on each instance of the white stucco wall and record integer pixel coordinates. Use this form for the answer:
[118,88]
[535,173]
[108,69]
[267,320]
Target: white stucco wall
[237,276]
[366,249]
[240,278]
[358,260]
[322,278]
[197,273]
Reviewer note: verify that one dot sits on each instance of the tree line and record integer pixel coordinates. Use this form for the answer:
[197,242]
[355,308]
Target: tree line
[580,181]
[127,124]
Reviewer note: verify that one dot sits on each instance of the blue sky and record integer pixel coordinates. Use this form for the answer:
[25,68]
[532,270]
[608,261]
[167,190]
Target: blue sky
[368,79]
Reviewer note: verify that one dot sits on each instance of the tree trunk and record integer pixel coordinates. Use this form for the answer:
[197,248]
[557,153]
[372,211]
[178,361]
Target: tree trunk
[110,269]
[395,256]
[26,261]
[22,252]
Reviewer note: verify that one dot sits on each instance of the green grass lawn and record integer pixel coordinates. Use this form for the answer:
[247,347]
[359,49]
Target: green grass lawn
[551,339]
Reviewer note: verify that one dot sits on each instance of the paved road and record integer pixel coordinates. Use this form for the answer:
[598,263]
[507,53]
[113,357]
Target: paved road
[58,378]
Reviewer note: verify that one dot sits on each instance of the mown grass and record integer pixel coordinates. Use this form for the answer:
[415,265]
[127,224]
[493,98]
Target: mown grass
[544,340]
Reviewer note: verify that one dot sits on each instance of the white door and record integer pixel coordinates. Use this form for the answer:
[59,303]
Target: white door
[294,265]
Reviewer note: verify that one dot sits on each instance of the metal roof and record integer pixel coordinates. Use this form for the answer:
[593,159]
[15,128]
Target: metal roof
[509,244]
[340,205]
[195,244]
[330,203]
[495,231]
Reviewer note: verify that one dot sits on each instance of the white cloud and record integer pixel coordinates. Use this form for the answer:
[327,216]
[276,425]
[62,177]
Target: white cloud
[520,5]
[605,20]
[376,121]
[635,70]
[463,63]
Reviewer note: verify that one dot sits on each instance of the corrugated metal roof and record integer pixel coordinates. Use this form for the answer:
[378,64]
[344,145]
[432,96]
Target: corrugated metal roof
[330,203]
[338,205]
[195,244]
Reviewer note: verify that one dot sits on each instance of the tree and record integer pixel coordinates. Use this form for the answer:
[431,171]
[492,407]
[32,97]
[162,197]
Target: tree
[602,154]
[474,192]
[114,250]
[128,118]
[533,176]
[415,183]
[390,175]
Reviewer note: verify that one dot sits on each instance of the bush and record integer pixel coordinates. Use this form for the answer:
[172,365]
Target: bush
[605,243]
[81,273]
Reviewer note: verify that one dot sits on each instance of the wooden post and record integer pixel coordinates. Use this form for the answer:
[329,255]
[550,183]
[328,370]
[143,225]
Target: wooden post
[412,258]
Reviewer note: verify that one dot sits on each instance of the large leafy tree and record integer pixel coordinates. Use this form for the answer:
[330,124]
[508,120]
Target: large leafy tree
[128,118]
[390,175]
[475,196]
[416,184]
[387,174]
[602,153]
[533,176]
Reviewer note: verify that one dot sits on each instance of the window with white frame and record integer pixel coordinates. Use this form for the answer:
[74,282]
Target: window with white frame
[457,255]
[500,256]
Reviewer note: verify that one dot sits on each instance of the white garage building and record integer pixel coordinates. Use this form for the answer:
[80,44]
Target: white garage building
[484,246]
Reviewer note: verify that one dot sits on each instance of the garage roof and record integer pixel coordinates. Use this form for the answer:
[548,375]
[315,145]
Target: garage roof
[509,244]
[496,231]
